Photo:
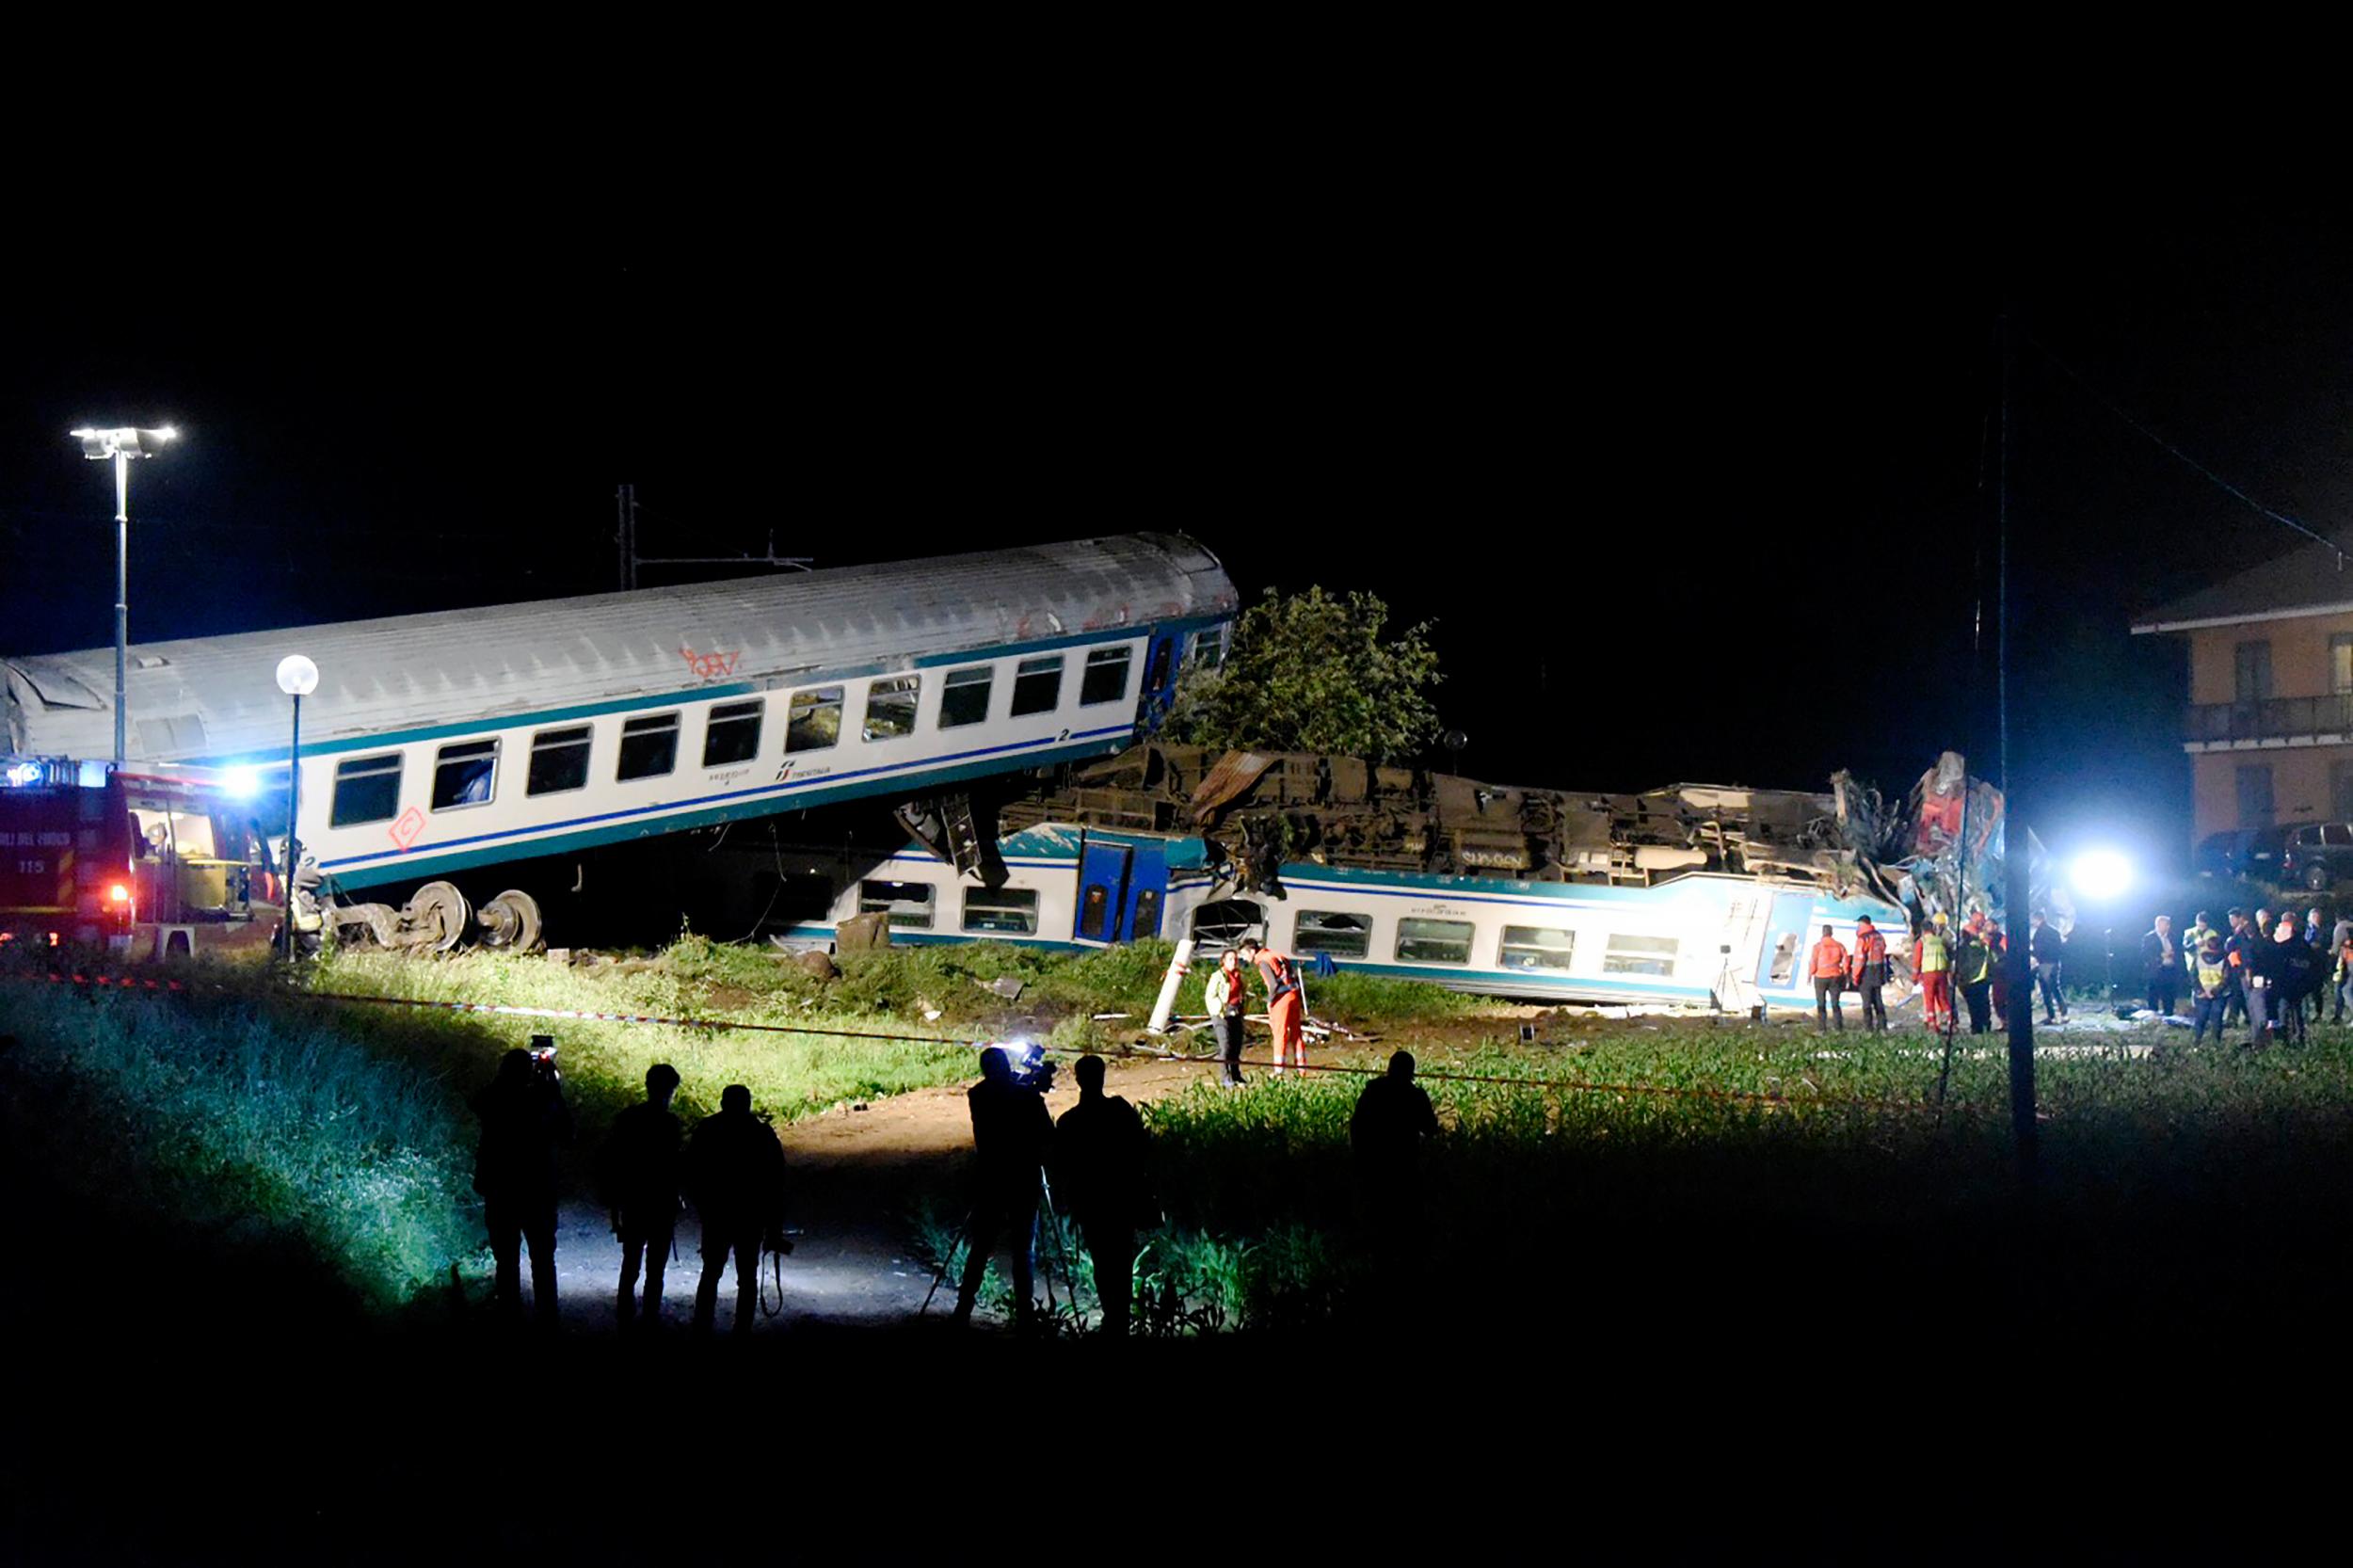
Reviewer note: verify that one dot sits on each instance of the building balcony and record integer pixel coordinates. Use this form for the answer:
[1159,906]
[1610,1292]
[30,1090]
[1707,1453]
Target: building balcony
[2279,721]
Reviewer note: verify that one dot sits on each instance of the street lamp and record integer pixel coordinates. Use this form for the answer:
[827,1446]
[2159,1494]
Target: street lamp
[298,677]
[2103,876]
[121,445]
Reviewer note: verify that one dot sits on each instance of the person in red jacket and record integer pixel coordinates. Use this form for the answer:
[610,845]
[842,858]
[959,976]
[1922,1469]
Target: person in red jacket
[1868,968]
[1830,984]
[1286,1002]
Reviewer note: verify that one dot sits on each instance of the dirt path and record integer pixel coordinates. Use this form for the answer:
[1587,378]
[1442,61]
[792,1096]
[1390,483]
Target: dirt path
[857,1178]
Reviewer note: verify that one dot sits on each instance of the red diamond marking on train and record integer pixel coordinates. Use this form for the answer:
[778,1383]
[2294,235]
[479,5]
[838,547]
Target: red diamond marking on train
[405,830]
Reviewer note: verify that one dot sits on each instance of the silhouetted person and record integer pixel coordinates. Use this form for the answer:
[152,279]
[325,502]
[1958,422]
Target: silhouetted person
[523,1122]
[1009,1134]
[1099,1153]
[1393,1115]
[640,1174]
[735,1176]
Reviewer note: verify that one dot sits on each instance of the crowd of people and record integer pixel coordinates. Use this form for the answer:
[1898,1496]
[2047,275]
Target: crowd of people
[1957,966]
[2273,973]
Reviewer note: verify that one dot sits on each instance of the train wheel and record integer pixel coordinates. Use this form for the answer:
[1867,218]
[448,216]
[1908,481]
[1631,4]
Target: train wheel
[510,920]
[438,910]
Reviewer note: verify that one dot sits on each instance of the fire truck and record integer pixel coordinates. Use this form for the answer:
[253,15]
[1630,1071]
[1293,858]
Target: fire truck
[96,857]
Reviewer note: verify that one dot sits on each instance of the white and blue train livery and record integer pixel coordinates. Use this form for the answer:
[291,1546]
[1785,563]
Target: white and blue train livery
[1700,938]
[436,743]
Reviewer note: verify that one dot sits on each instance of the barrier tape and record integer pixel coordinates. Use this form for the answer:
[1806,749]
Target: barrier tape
[723,1025]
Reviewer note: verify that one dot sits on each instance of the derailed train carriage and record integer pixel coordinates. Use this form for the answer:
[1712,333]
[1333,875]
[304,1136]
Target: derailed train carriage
[1691,894]
[454,765]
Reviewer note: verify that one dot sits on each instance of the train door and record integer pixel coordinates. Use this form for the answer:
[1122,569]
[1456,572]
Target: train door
[1789,942]
[1159,679]
[1103,891]
[1147,889]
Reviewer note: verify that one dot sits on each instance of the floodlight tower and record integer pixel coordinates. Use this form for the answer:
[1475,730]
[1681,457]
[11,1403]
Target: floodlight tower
[121,445]
[297,677]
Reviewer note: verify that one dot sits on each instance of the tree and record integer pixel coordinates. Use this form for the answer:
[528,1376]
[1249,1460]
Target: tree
[1314,672]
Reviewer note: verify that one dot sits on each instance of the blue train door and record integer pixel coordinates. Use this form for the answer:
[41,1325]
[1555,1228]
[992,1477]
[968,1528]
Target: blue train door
[1148,887]
[1789,945]
[1159,679]
[1102,892]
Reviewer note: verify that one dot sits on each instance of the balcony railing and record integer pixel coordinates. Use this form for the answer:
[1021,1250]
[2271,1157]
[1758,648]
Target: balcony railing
[2278,718]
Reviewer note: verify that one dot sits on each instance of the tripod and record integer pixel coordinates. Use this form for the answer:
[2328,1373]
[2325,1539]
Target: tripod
[1061,1251]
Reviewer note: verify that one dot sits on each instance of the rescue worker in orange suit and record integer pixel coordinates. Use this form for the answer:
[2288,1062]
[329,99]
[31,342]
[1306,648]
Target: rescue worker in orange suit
[1830,982]
[1868,966]
[1286,1002]
[1932,961]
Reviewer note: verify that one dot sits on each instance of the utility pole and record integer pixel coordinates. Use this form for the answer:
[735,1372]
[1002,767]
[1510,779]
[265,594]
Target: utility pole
[627,538]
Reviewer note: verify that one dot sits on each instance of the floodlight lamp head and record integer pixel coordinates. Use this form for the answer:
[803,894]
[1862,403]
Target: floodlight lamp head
[298,676]
[98,445]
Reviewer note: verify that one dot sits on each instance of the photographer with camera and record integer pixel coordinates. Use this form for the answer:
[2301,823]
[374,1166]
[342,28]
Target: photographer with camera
[1098,1161]
[735,1176]
[1011,1130]
[524,1120]
[639,1174]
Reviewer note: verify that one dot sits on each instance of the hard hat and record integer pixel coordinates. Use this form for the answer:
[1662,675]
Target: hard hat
[1943,919]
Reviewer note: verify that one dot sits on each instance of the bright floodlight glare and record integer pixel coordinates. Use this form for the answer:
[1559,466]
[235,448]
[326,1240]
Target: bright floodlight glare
[123,440]
[242,783]
[2101,875]
[298,676]
[24,773]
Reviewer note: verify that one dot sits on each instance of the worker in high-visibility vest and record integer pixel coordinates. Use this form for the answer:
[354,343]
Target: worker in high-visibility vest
[1285,1005]
[1869,970]
[1830,982]
[1932,961]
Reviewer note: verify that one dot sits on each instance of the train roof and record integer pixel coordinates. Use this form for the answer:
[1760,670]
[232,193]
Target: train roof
[217,697]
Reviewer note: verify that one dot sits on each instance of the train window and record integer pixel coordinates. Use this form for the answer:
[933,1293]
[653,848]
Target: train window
[367,788]
[1534,947]
[907,903]
[649,747]
[815,721]
[890,707]
[1206,649]
[1094,912]
[1218,926]
[1328,931]
[1011,911]
[1106,676]
[559,761]
[1641,955]
[1157,677]
[732,735]
[1434,942]
[965,700]
[1785,967]
[465,774]
[1037,685]
[1147,922]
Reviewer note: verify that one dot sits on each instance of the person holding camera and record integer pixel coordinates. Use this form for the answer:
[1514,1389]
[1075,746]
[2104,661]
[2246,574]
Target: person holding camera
[524,1120]
[1099,1154]
[1011,1131]
[735,1176]
[639,1173]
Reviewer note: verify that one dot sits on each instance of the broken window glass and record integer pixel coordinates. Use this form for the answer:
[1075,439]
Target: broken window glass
[1328,931]
[814,720]
[907,903]
[1424,941]
[1007,911]
[890,707]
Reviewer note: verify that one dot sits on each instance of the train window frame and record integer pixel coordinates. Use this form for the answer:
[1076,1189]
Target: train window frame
[1094,692]
[899,693]
[460,754]
[1303,939]
[1214,937]
[1505,945]
[1420,929]
[955,704]
[725,719]
[800,714]
[640,730]
[1206,649]
[894,915]
[1018,903]
[357,770]
[580,737]
[1639,954]
[1027,675]
[1095,913]
[1145,922]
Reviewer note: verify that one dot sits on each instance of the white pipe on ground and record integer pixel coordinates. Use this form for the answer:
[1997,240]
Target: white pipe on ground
[1177,964]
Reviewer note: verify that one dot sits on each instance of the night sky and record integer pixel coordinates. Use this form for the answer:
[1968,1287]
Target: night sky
[1692,490]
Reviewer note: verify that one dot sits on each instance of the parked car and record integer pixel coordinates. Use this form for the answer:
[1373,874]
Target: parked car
[2314,855]
[2220,855]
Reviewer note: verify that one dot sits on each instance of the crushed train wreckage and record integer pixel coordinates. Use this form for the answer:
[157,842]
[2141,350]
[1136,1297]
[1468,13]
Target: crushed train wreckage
[1937,848]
